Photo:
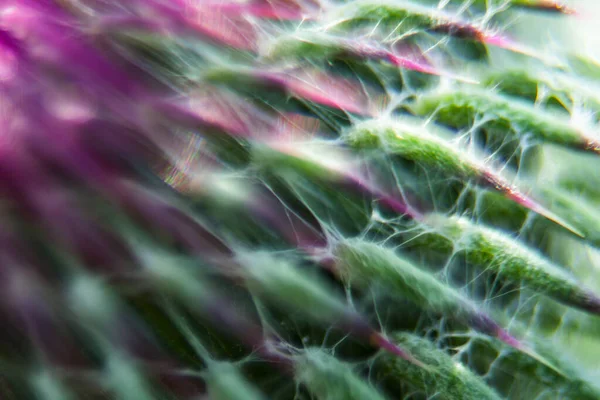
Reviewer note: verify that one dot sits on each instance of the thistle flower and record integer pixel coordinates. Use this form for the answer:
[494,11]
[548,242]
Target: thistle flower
[229,199]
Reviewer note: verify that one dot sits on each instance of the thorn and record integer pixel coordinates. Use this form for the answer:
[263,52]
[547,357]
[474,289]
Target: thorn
[403,62]
[380,341]
[551,6]
[513,342]
[518,197]
[532,205]
[592,145]
[531,353]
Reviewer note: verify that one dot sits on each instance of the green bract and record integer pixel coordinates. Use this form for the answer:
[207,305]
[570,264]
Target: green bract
[329,379]
[447,378]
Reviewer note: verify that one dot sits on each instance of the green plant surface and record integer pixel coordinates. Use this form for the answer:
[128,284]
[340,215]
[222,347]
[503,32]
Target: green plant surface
[299,199]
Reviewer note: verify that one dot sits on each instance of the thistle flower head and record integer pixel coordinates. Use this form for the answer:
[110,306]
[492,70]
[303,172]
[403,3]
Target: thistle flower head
[284,199]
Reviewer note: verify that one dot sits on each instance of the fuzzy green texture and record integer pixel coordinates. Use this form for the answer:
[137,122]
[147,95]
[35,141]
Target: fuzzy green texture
[567,378]
[461,108]
[288,287]
[415,143]
[328,378]
[515,83]
[557,91]
[313,46]
[494,250]
[316,160]
[307,45]
[240,77]
[447,379]
[401,17]
[356,190]
[365,264]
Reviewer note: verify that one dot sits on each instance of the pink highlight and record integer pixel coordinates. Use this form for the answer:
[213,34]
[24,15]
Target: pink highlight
[380,341]
[507,338]
[327,90]
[403,62]
[260,9]
[406,63]
[499,184]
